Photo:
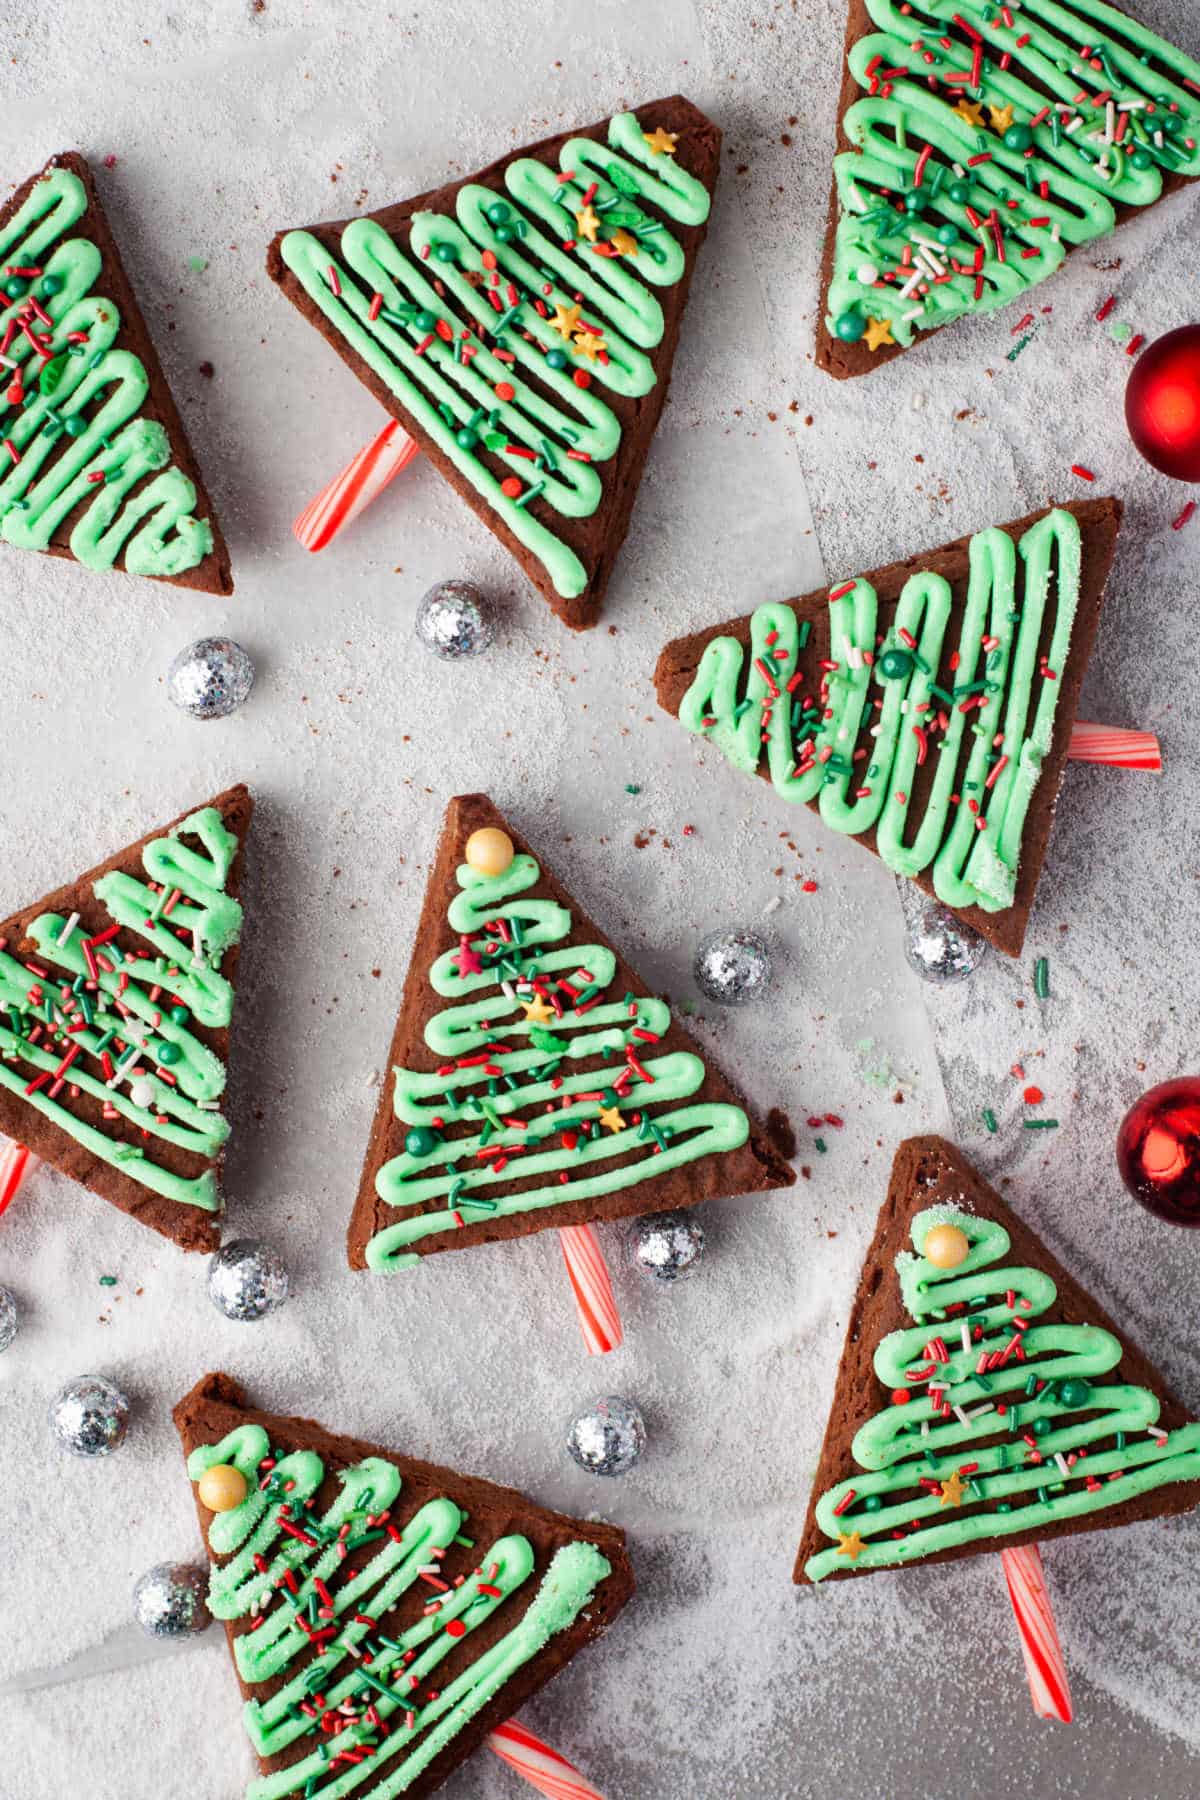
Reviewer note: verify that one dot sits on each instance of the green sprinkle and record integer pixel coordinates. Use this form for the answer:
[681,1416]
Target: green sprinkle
[1040,1124]
[805,629]
[197,264]
[821,1145]
[466,1542]
[108,1281]
[989,1119]
[631,787]
[1041,978]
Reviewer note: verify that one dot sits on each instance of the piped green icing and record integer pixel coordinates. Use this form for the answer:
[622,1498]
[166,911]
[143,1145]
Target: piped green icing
[527,1097]
[981,705]
[331,1633]
[469,305]
[116,1010]
[1109,125]
[1015,1416]
[77,417]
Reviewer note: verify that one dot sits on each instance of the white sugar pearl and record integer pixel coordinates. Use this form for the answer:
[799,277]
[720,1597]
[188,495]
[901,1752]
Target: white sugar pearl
[866,274]
[142,1093]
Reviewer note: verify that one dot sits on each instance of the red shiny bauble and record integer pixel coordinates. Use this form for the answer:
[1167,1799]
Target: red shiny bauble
[1158,1150]
[1162,403]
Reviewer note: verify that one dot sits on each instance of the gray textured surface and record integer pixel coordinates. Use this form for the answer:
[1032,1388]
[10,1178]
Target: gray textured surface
[720,1680]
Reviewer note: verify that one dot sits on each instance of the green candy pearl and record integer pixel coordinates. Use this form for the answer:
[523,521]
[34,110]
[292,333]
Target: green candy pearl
[914,201]
[1040,1427]
[959,192]
[1018,137]
[872,1503]
[75,425]
[169,1053]
[1142,159]
[465,438]
[445,253]
[556,359]
[895,664]
[505,234]
[425,321]
[51,285]
[16,286]
[1073,1393]
[947,234]
[421,1141]
[849,327]
[180,1015]
[497,212]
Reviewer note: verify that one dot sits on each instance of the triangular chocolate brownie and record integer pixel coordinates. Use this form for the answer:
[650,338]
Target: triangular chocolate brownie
[978,146]
[94,462]
[521,325]
[116,993]
[984,1399]
[532,1080]
[924,708]
[383,1614]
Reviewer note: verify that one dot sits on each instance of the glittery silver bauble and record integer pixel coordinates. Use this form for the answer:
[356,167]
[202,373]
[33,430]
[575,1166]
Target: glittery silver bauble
[210,678]
[608,1437]
[455,620]
[10,1318]
[733,966]
[169,1600]
[247,1280]
[89,1416]
[666,1245]
[938,945]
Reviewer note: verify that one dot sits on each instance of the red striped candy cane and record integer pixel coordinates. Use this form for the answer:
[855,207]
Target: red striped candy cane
[1111,744]
[541,1766]
[14,1161]
[1044,1664]
[359,483]
[599,1319]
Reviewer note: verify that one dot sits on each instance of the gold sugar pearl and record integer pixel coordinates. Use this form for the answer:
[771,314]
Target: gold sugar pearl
[489,851]
[946,1246]
[222,1487]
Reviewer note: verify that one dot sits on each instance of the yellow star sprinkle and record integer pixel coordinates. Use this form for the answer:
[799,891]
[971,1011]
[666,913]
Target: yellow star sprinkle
[851,1546]
[588,344]
[611,1118]
[1001,118]
[953,1490]
[971,111]
[661,142]
[565,319]
[624,242]
[879,331]
[587,223]
[536,1011]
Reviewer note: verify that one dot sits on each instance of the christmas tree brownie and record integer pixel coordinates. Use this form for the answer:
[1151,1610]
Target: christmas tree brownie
[521,325]
[95,464]
[533,1081]
[984,1399]
[978,146]
[383,1614]
[116,994]
[924,708]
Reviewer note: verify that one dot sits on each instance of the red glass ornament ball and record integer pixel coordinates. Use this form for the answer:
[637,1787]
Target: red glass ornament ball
[1158,1150]
[1162,403]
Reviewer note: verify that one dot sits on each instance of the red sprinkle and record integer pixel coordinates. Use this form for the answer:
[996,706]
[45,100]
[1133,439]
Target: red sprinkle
[1083,474]
[1033,1097]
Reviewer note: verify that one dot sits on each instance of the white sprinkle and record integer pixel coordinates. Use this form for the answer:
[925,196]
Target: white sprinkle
[1061,1460]
[966,1336]
[1110,121]
[925,1428]
[912,284]
[977,1412]
[773,905]
[1075,124]
[962,1417]
[917,312]
[68,930]
[854,656]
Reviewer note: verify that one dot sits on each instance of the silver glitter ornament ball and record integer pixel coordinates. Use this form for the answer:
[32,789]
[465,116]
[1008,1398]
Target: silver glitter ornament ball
[89,1416]
[10,1318]
[938,945]
[454,620]
[608,1437]
[733,967]
[210,678]
[247,1280]
[666,1245]
[169,1600]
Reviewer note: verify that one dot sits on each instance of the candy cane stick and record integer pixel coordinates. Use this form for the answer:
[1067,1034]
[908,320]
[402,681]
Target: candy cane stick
[599,1319]
[359,483]
[1040,1647]
[14,1161]
[541,1766]
[1115,746]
